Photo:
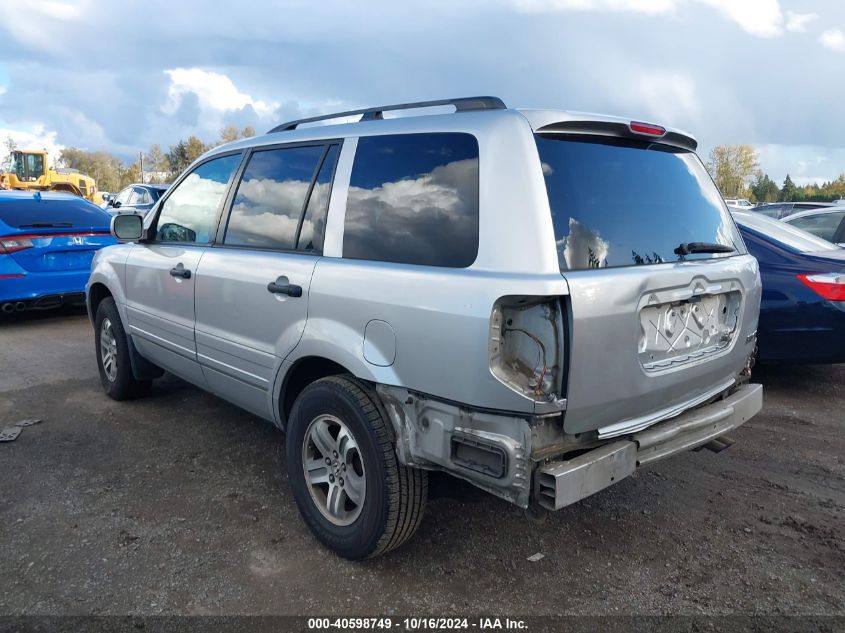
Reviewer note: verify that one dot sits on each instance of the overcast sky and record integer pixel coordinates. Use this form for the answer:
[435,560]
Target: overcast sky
[122,75]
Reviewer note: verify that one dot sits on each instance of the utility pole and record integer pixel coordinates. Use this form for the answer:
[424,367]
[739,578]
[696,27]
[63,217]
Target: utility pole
[141,154]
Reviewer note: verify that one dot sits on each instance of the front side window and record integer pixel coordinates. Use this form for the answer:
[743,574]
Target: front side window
[189,214]
[617,203]
[413,199]
[124,196]
[271,197]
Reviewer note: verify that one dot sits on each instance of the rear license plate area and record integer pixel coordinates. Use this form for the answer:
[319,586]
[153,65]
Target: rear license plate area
[679,332]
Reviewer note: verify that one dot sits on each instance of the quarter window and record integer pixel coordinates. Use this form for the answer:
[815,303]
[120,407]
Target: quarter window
[413,199]
[271,197]
[189,214]
[314,223]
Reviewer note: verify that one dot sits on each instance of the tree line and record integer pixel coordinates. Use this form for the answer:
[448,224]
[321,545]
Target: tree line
[159,166]
[736,171]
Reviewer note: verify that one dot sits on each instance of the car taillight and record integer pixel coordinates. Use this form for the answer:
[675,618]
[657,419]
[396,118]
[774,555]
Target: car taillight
[14,244]
[647,128]
[831,286]
[526,345]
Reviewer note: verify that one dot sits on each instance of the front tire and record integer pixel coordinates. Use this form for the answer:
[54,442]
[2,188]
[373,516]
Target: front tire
[349,486]
[112,348]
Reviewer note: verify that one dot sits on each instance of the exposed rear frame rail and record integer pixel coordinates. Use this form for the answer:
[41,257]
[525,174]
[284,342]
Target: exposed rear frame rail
[461,104]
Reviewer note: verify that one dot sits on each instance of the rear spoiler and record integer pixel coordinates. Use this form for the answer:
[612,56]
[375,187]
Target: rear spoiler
[621,130]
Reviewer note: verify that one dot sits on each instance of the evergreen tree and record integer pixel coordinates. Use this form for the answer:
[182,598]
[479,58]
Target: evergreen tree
[789,190]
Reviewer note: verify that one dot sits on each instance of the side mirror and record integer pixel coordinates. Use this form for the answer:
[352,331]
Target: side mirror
[128,227]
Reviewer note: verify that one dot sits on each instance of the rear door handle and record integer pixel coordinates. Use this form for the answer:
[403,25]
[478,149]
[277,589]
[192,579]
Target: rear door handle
[180,271]
[283,287]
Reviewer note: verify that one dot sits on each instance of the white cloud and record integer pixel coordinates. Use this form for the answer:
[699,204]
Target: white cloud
[214,90]
[833,39]
[37,137]
[763,18]
[39,24]
[798,22]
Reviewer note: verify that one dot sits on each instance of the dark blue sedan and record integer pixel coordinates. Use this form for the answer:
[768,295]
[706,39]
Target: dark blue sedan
[802,316]
[47,240]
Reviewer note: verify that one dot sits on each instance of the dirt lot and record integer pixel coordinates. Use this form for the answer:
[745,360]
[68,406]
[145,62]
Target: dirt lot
[179,504]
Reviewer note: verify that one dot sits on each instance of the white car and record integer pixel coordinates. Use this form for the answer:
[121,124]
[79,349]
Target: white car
[740,203]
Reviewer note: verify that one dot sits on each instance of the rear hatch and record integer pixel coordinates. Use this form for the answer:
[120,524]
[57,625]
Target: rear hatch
[664,299]
[53,234]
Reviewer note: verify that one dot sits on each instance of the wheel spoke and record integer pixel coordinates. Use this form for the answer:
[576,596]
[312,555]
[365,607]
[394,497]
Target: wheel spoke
[323,440]
[334,501]
[354,485]
[346,444]
[318,472]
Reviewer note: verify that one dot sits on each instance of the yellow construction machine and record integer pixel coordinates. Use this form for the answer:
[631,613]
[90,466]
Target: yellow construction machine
[31,170]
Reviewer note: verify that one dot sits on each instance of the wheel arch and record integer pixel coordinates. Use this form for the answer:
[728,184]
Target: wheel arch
[97,291]
[301,373]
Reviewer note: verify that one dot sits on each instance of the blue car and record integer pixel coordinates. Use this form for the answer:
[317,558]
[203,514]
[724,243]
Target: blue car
[802,315]
[47,241]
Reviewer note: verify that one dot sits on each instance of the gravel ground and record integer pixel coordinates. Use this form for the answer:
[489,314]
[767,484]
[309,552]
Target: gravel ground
[179,504]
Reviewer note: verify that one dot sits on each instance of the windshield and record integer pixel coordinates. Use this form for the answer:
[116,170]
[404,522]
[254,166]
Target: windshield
[617,202]
[790,236]
[17,165]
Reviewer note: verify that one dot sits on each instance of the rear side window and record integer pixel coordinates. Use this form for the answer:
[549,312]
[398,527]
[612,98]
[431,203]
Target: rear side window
[626,203]
[413,199]
[823,225]
[271,197]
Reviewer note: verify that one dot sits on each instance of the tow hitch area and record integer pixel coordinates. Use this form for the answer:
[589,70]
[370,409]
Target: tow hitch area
[562,482]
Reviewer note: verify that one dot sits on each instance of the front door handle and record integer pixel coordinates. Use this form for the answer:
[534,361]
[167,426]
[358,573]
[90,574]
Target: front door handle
[283,287]
[180,271]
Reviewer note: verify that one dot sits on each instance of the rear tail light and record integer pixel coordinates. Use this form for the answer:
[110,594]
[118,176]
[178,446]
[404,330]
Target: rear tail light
[14,244]
[647,128]
[831,286]
[526,346]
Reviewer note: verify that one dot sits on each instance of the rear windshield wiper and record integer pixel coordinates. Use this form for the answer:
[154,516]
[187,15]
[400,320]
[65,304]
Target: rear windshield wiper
[688,248]
[44,225]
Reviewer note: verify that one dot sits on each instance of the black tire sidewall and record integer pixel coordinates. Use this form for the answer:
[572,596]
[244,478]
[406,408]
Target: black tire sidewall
[361,538]
[123,385]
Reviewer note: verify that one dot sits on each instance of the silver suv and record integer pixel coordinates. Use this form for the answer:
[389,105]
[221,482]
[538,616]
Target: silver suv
[538,302]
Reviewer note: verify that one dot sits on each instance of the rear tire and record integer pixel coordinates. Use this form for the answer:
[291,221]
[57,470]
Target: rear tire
[349,486]
[112,348]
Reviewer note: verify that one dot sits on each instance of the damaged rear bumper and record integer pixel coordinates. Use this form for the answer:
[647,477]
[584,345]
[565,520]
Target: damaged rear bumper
[560,483]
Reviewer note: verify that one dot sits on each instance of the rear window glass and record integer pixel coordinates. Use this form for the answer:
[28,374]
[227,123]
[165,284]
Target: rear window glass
[788,235]
[625,203]
[823,225]
[413,199]
[24,211]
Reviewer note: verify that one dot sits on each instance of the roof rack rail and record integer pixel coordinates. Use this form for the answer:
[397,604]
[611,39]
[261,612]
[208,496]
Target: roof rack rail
[462,104]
